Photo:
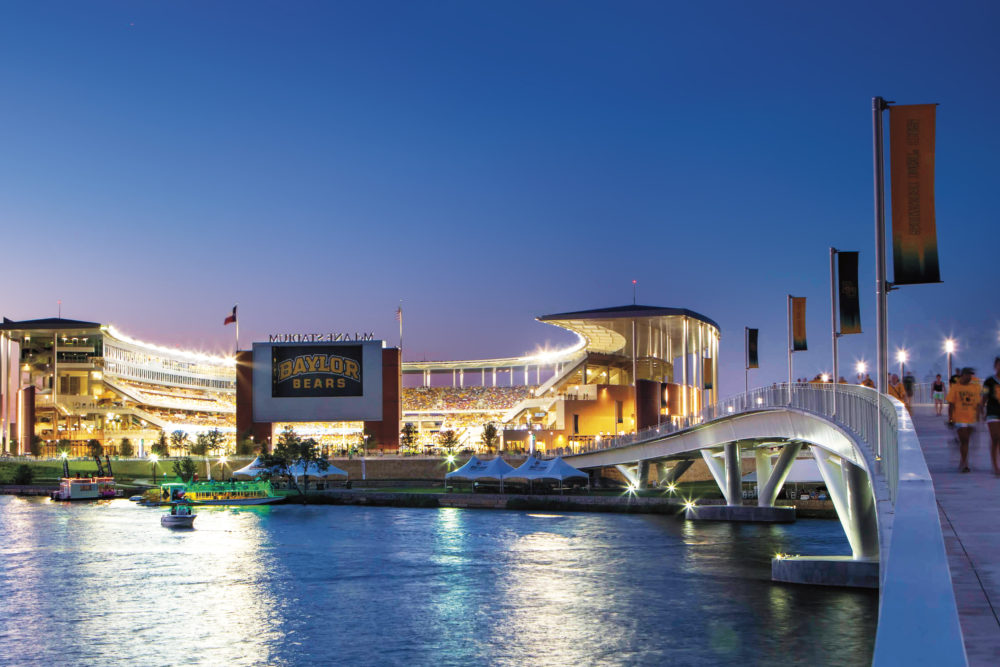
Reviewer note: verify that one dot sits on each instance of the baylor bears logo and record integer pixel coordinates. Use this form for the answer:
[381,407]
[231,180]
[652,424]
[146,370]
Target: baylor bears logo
[316,371]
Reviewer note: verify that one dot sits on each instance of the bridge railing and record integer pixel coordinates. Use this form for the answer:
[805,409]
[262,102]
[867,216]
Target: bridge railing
[870,416]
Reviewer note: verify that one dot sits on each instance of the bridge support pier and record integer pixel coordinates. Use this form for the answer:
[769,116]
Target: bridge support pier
[670,476]
[768,493]
[851,491]
[730,480]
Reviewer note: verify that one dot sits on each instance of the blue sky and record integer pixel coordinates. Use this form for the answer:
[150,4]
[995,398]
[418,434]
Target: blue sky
[486,163]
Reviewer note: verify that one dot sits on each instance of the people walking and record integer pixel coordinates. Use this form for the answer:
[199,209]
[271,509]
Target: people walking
[937,393]
[896,390]
[964,400]
[991,409]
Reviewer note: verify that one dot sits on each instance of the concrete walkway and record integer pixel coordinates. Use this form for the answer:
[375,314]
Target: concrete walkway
[969,507]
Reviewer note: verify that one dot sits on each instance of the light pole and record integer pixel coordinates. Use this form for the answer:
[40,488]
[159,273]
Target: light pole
[222,463]
[949,347]
[902,357]
[154,458]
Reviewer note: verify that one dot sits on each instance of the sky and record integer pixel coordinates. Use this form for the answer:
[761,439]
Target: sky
[486,163]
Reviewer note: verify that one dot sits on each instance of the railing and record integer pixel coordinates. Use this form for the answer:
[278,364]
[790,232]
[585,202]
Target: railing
[861,410]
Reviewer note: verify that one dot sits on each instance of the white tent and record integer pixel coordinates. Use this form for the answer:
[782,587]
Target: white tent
[475,470]
[472,467]
[301,469]
[251,471]
[804,471]
[555,469]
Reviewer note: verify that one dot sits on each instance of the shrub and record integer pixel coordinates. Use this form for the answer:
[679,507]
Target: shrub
[24,474]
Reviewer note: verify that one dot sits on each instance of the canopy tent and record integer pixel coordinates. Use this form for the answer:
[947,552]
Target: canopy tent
[254,469]
[554,469]
[475,470]
[472,467]
[804,471]
[301,469]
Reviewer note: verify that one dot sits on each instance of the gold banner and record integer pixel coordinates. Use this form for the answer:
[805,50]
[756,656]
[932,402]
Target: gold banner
[799,324]
[914,232]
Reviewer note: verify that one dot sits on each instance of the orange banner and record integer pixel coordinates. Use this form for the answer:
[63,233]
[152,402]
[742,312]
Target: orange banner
[799,323]
[914,230]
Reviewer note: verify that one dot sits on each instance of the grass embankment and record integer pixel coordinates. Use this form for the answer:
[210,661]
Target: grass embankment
[49,471]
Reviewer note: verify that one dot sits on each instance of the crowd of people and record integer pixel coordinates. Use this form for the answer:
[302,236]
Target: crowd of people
[445,399]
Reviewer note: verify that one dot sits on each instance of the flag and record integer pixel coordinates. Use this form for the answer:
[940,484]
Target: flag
[798,323]
[706,373]
[399,314]
[914,232]
[231,318]
[847,278]
[752,348]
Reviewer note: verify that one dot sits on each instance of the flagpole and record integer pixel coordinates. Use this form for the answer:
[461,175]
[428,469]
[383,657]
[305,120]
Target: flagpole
[881,286]
[789,297]
[833,325]
[746,360]
[399,311]
[237,327]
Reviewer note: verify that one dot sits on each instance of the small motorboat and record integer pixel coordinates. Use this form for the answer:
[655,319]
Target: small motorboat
[180,516]
[135,499]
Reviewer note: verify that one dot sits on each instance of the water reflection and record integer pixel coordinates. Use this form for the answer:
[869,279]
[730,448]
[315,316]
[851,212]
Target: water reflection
[94,583]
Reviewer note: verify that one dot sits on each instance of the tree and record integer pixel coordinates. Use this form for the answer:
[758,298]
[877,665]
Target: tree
[36,446]
[160,447]
[95,448]
[490,437]
[448,439]
[185,469]
[408,436]
[200,446]
[245,446]
[214,440]
[64,446]
[179,440]
[23,474]
[125,449]
[290,450]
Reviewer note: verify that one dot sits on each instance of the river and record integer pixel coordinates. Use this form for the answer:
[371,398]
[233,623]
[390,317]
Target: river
[104,583]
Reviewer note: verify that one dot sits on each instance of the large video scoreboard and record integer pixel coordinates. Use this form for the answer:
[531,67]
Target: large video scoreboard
[324,381]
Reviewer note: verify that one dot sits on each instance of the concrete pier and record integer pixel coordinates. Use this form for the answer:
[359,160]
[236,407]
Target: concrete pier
[825,571]
[747,513]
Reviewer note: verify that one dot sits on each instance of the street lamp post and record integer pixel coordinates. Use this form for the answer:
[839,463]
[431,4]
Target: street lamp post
[154,458]
[902,357]
[949,347]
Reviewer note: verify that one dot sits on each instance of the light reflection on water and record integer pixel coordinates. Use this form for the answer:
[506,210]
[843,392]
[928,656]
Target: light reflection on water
[90,583]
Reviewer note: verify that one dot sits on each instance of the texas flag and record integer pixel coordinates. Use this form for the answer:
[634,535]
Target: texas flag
[231,318]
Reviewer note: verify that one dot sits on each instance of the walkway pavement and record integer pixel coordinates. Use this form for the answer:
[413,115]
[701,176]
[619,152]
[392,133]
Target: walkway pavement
[969,507]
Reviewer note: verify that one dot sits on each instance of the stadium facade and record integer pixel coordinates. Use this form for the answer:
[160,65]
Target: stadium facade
[65,382]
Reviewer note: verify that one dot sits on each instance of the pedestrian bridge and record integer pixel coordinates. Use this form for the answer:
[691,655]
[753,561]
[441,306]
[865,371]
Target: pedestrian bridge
[869,456]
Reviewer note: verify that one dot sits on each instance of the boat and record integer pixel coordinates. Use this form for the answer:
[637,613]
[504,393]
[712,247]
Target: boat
[258,492]
[180,516]
[85,488]
[135,499]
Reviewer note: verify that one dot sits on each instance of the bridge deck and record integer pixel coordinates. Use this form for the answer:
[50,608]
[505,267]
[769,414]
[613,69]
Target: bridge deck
[969,507]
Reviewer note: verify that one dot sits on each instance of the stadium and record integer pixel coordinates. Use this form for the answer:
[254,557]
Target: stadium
[66,382]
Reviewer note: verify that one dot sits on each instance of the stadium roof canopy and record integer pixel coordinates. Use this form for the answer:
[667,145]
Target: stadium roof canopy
[659,331]
[48,323]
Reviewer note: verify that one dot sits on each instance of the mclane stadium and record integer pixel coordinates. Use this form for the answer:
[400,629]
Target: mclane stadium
[67,382]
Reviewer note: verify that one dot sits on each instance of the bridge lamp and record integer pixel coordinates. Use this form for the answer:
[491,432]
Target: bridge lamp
[689,504]
[949,347]
[861,368]
[902,356]
[671,487]
[825,377]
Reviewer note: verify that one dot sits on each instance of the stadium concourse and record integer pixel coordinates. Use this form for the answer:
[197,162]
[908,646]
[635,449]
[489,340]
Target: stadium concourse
[67,382]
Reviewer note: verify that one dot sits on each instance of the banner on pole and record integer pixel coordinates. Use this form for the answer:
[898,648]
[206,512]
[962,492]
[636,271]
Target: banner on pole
[799,324]
[847,279]
[914,231]
[752,348]
[707,373]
